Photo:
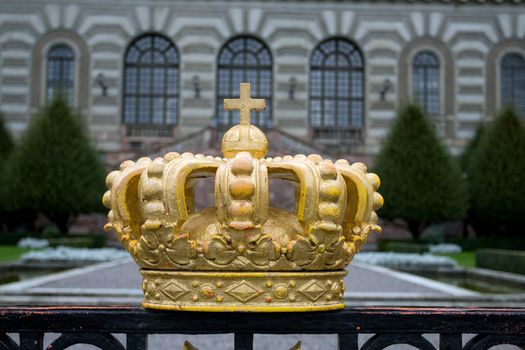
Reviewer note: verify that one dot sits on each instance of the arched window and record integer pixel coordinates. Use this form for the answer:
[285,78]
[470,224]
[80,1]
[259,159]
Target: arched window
[337,91]
[151,86]
[425,82]
[244,60]
[513,82]
[60,72]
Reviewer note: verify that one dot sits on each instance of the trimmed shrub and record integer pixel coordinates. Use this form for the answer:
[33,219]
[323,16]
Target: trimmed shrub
[421,183]
[54,170]
[471,147]
[6,142]
[6,147]
[74,240]
[489,242]
[83,241]
[404,247]
[495,174]
[406,261]
[501,260]
[466,244]
[12,238]
[466,158]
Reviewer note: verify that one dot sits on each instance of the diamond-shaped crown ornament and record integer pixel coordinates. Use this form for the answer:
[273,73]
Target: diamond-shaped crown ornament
[242,254]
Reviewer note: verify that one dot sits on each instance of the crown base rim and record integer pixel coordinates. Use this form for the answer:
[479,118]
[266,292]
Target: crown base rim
[212,291]
[245,308]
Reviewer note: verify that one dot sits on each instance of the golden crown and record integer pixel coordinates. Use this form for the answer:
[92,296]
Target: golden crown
[242,254]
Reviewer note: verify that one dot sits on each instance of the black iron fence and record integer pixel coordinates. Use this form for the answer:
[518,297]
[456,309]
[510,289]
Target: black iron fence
[389,326]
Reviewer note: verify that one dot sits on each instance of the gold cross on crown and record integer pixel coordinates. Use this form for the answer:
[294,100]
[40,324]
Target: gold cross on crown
[245,104]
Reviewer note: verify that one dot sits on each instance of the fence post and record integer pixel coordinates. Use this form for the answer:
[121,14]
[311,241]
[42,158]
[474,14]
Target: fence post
[243,341]
[31,341]
[450,341]
[136,341]
[347,341]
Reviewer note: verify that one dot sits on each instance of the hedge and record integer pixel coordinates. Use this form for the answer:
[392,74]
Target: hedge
[80,241]
[467,244]
[489,243]
[12,238]
[501,260]
[84,241]
[404,247]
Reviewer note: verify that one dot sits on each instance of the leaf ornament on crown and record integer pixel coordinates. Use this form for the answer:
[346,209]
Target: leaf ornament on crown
[151,204]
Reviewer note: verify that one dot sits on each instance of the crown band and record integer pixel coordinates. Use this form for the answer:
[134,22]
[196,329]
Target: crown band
[247,291]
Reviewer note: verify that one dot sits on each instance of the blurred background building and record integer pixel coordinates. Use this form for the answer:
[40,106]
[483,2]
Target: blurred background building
[149,76]
[145,73]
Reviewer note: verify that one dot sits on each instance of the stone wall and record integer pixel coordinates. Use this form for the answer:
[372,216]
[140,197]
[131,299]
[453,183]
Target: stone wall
[468,37]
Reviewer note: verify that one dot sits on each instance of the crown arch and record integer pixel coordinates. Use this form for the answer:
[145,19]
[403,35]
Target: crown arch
[185,172]
[244,59]
[337,90]
[151,86]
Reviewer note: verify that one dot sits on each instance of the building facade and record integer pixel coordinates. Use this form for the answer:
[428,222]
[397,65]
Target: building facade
[334,73]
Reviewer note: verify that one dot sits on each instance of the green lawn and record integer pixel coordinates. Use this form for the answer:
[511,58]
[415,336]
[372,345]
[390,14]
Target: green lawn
[465,259]
[11,252]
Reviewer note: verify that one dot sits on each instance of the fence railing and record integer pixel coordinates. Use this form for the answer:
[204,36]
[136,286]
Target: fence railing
[388,326]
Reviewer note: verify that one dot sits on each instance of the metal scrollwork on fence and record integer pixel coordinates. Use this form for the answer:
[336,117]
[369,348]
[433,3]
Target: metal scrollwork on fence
[381,341]
[486,341]
[7,343]
[103,341]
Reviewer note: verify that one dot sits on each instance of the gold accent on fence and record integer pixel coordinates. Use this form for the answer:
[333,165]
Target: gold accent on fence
[242,254]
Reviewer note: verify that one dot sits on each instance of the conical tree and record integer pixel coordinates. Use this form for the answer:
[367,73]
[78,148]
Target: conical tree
[471,147]
[6,146]
[6,142]
[495,174]
[420,182]
[54,170]
[466,157]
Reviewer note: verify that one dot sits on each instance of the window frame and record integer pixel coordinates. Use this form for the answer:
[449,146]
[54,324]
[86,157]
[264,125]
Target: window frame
[230,67]
[426,68]
[513,88]
[137,94]
[71,87]
[350,69]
